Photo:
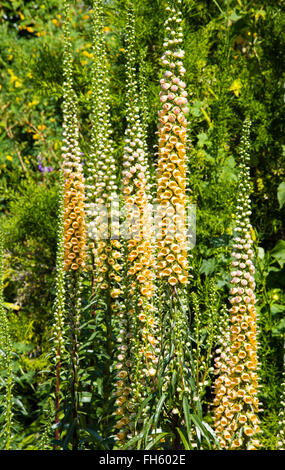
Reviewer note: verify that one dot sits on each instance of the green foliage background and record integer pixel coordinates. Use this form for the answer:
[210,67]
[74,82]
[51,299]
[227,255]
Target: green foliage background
[235,67]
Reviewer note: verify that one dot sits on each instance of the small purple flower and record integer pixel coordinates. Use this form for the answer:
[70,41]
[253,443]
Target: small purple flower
[41,168]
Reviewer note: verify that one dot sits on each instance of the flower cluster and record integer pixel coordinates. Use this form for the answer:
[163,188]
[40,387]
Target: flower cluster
[123,392]
[74,214]
[144,112]
[171,183]
[135,188]
[101,185]
[71,254]
[41,168]
[74,226]
[236,387]
[140,256]
[100,164]
[223,340]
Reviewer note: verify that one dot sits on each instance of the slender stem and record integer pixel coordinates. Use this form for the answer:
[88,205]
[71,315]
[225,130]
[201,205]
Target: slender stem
[57,395]
[107,368]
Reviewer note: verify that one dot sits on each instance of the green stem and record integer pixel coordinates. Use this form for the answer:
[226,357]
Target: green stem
[107,366]
[74,288]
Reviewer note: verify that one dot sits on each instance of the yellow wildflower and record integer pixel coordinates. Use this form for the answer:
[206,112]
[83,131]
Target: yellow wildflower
[236,87]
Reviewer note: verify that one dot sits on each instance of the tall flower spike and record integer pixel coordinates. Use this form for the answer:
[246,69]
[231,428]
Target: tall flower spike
[221,365]
[139,320]
[223,342]
[142,91]
[59,305]
[171,184]
[237,404]
[74,215]
[74,220]
[105,224]
[171,236]
[99,137]
[103,209]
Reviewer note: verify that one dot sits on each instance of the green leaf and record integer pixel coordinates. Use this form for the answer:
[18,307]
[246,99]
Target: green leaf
[202,139]
[158,409]
[234,17]
[69,434]
[85,397]
[195,110]
[11,306]
[261,252]
[18,402]
[141,408]
[212,433]
[281,194]
[183,439]
[208,266]
[280,329]
[276,308]
[147,427]
[200,427]
[156,440]
[278,252]
[187,416]
[227,172]
[97,437]
[133,441]
[28,440]
[173,382]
